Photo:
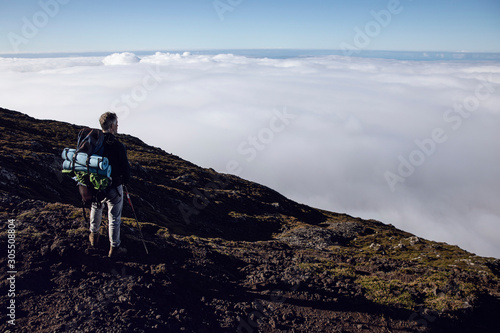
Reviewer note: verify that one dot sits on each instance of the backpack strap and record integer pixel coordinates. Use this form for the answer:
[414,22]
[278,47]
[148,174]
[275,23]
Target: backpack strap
[83,136]
[88,163]
[74,162]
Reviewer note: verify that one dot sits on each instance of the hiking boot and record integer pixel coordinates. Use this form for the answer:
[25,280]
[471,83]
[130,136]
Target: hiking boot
[116,251]
[94,239]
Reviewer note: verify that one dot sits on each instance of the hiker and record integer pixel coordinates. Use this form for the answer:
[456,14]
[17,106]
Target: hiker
[116,153]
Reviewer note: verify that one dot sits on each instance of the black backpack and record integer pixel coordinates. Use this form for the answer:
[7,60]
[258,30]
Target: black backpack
[90,141]
[92,181]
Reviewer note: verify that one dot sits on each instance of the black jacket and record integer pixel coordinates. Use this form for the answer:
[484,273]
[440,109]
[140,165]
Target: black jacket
[116,153]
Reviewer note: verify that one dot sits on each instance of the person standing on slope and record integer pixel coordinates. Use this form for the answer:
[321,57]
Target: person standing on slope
[116,153]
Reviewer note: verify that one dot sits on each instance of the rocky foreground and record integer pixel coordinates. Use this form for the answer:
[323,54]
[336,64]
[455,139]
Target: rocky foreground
[225,255]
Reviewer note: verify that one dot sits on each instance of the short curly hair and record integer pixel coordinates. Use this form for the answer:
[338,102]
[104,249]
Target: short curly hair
[107,120]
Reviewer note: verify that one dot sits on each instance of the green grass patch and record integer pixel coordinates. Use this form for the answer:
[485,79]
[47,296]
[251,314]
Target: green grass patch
[328,269]
[390,293]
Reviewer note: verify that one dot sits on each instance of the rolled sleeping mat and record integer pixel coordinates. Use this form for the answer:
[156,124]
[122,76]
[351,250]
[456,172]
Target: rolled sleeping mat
[68,165]
[81,158]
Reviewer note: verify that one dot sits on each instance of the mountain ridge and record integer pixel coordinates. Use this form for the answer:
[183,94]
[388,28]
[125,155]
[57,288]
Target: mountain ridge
[227,254]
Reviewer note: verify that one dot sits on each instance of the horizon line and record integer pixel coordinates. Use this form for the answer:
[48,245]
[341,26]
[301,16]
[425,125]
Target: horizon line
[245,49]
[282,53]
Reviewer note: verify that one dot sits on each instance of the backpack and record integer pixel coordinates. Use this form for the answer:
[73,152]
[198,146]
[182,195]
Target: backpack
[90,141]
[88,167]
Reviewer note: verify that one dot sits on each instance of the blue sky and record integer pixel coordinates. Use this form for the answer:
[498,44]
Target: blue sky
[112,25]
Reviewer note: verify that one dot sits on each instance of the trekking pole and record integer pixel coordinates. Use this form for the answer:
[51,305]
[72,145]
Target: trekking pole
[136,220]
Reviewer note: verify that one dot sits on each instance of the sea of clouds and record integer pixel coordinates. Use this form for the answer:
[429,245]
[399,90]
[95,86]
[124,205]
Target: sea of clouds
[412,143]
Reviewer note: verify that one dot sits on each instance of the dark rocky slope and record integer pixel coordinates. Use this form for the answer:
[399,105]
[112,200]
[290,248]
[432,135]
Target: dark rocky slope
[226,255]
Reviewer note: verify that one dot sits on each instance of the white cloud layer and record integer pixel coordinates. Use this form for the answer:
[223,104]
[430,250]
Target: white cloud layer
[124,58]
[414,144]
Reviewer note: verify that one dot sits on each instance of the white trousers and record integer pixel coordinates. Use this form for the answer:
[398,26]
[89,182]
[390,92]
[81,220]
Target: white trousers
[114,201]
